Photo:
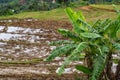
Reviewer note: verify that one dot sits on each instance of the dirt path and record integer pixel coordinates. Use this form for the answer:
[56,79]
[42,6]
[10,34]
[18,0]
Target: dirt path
[88,8]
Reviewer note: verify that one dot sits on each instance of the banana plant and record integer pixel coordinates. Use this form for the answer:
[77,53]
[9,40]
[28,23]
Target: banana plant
[98,41]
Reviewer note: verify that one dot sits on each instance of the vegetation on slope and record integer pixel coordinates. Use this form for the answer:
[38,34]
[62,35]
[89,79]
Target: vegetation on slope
[59,14]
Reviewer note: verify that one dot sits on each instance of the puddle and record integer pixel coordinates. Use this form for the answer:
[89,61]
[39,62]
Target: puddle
[2,43]
[18,42]
[14,29]
[25,34]
[8,36]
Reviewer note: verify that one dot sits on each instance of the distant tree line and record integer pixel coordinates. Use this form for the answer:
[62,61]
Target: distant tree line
[103,1]
[9,7]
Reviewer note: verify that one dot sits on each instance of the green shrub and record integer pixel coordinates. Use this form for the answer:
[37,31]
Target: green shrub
[98,41]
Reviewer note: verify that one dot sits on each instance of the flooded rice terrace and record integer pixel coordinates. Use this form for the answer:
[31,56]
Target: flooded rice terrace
[24,46]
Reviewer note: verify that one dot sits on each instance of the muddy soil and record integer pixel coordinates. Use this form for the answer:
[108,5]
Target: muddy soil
[24,46]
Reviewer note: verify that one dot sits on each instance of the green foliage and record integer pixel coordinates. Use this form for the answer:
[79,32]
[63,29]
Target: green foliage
[98,66]
[6,6]
[61,42]
[75,54]
[69,34]
[61,50]
[98,41]
[116,46]
[90,35]
[83,69]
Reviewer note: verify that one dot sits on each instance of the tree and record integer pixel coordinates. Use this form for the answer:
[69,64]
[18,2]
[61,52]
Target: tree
[97,41]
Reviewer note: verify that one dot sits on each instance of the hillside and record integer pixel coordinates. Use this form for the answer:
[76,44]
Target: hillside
[91,13]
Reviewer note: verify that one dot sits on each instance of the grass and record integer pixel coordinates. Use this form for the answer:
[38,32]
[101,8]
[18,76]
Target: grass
[53,14]
[109,7]
[59,14]
[22,62]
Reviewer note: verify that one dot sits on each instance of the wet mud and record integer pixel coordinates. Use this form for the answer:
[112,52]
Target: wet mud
[24,46]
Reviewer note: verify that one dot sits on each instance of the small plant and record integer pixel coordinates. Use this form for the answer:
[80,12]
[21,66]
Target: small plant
[98,41]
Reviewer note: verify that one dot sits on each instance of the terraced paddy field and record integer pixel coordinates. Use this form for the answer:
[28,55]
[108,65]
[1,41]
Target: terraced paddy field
[24,46]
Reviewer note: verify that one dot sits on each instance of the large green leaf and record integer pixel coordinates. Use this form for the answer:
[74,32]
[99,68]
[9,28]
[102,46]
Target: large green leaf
[115,26]
[78,20]
[75,54]
[61,50]
[116,46]
[85,25]
[60,42]
[104,25]
[83,69]
[118,34]
[112,28]
[69,34]
[80,47]
[90,35]
[73,17]
[98,66]
[116,9]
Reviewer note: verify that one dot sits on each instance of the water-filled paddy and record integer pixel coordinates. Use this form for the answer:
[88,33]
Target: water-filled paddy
[24,46]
